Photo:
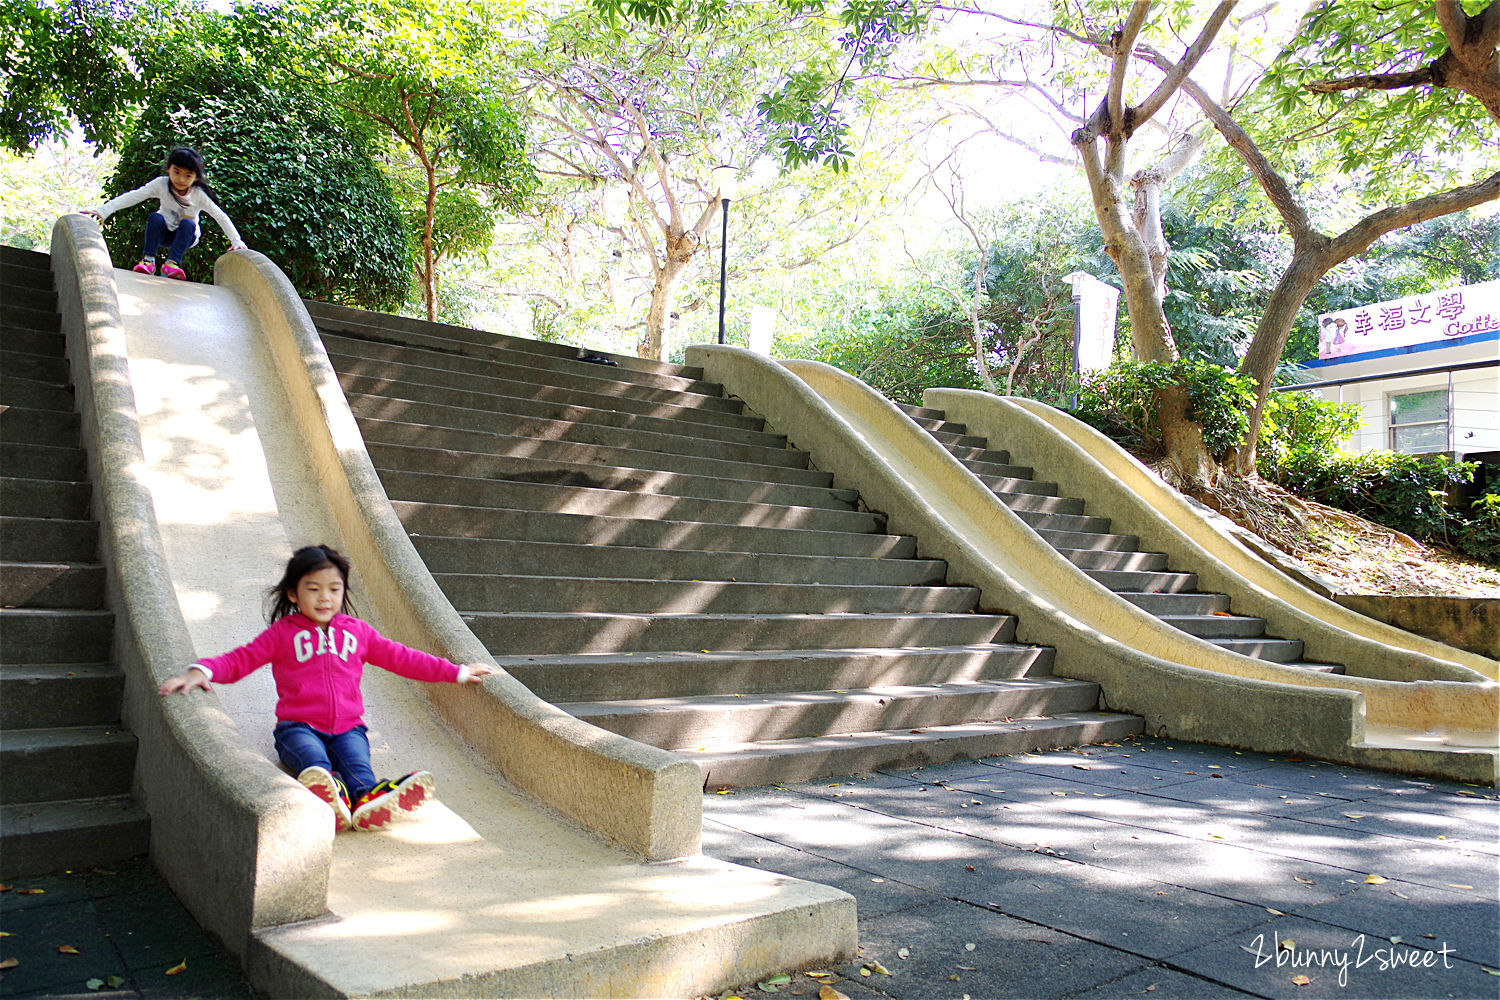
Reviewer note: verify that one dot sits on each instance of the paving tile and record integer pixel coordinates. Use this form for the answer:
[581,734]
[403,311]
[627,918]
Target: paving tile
[1465,922]
[1009,958]
[36,934]
[1338,963]
[1161,983]
[1478,833]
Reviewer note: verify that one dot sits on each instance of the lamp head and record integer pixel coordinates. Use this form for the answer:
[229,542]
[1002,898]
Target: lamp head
[727,181]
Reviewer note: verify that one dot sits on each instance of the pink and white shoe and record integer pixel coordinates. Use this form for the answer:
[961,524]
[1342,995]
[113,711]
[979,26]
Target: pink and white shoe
[325,786]
[145,267]
[391,801]
[171,270]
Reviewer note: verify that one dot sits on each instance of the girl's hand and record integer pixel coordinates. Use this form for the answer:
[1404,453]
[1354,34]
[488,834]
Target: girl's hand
[238,246]
[184,682]
[477,672]
[91,214]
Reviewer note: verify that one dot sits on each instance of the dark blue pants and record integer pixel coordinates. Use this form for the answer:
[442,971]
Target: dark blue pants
[347,755]
[158,235]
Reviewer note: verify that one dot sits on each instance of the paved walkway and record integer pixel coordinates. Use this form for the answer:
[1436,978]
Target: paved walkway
[1148,869]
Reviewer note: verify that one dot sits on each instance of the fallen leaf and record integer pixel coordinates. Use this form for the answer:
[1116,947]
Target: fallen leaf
[1395,939]
[1455,885]
[1300,980]
[10,963]
[1304,881]
[178,969]
[1286,945]
[953,978]
[115,982]
[903,953]
[1275,913]
[865,971]
[1083,767]
[1375,880]
[31,892]
[1355,815]
[969,867]
[5,934]
[4,888]
[969,946]
[94,984]
[826,992]
[877,967]
[67,949]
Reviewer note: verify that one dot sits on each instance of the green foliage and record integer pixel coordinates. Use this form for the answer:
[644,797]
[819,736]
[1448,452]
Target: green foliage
[1479,534]
[1121,401]
[295,176]
[1300,424]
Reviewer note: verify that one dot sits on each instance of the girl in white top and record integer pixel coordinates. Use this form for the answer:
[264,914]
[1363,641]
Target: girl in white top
[181,195]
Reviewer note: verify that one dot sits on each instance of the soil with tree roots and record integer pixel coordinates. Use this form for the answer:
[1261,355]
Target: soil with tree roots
[1353,554]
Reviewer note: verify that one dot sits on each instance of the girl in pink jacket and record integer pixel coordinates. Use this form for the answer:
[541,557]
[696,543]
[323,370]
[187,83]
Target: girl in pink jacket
[317,655]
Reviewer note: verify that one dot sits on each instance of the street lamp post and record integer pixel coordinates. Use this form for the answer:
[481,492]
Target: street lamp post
[728,184]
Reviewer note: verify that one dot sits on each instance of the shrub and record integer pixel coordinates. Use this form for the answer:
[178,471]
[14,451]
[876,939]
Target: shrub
[1121,402]
[297,178]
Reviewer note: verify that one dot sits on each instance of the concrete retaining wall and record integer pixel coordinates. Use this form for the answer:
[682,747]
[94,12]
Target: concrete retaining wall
[240,843]
[638,797]
[1468,623]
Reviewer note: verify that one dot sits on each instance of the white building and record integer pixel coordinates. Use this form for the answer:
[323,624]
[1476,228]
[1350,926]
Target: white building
[1424,370]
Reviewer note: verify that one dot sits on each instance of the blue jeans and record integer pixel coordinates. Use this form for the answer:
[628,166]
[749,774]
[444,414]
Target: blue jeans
[157,235]
[347,755]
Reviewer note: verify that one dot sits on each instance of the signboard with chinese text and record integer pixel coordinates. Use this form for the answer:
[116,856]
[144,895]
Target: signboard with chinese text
[1417,319]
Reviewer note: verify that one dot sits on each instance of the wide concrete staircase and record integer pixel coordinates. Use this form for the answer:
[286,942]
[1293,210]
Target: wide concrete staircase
[637,549]
[1116,561]
[66,763]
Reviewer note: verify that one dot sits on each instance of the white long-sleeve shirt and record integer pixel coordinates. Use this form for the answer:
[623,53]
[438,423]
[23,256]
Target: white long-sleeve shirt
[174,208]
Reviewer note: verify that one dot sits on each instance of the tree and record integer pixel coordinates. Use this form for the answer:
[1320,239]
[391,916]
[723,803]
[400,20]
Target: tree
[429,76]
[298,180]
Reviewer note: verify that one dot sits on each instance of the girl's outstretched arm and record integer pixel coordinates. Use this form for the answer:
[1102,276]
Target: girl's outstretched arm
[192,677]
[477,672]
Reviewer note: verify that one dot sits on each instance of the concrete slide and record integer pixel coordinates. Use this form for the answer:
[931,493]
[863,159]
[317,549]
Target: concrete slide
[559,860]
[1405,704]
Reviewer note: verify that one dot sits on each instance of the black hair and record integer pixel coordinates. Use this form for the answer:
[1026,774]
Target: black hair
[306,560]
[188,159]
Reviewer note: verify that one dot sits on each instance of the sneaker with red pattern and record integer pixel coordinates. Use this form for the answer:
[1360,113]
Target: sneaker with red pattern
[390,801]
[325,786]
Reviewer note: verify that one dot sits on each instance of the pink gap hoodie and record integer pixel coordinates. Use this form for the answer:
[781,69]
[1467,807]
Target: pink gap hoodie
[318,669]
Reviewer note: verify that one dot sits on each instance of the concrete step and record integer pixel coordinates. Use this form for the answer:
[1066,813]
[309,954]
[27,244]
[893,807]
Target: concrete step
[1094,541]
[34,395]
[1176,604]
[750,764]
[979,453]
[1115,559]
[37,367]
[71,762]
[40,461]
[51,695]
[47,635]
[18,264]
[951,439]
[22,317]
[585,386]
[564,421]
[457,339]
[26,539]
[46,837]
[428,488]
[430,461]
[25,497]
[601,632]
[1044,521]
[991,469]
[584,431]
[32,290]
[1037,503]
[51,584]
[586,453]
[1014,487]
[1219,626]
[452,521]
[688,723]
[376,355]
[499,395]
[1320,668]
[527,558]
[38,426]
[1148,582]
[44,343]
[611,676]
[1264,648]
[488,592]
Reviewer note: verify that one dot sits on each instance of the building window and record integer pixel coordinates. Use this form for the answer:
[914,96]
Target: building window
[1419,421]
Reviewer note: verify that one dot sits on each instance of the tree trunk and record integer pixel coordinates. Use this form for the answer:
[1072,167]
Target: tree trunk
[429,262]
[680,250]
